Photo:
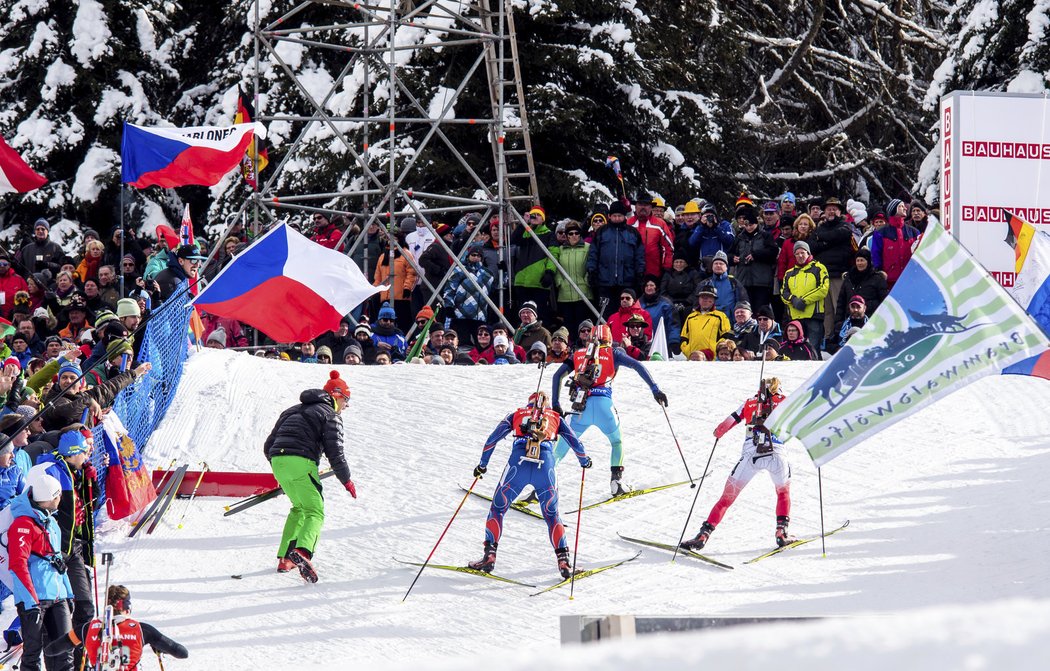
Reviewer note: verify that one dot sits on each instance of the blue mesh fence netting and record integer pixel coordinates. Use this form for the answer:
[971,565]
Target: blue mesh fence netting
[165,345]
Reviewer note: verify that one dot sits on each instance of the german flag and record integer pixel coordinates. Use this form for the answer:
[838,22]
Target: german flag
[257,149]
[1019,235]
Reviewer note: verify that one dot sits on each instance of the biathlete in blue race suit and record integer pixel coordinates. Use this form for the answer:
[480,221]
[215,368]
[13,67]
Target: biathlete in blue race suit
[531,463]
[592,377]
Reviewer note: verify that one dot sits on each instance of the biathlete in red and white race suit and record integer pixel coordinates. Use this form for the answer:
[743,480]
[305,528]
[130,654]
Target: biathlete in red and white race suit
[531,463]
[761,451]
[593,369]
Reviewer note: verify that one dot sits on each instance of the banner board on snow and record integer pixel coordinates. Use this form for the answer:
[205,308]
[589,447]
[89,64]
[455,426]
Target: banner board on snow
[995,155]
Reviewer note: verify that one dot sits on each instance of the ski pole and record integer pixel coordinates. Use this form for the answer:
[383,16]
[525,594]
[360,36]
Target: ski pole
[431,555]
[695,497]
[576,543]
[160,660]
[193,494]
[820,492]
[689,475]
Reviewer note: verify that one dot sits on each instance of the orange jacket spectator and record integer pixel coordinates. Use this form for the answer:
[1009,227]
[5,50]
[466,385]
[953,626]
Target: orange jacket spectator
[404,277]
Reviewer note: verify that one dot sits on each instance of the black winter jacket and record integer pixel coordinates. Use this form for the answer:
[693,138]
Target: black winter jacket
[832,245]
[309,429]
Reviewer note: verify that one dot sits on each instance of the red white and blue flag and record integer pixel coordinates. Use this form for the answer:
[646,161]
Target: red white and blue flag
[287,286]
[170,157]
[15,174]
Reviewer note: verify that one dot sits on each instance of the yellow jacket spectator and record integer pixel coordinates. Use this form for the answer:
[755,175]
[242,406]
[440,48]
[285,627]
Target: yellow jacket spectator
[805,285]
[705,325]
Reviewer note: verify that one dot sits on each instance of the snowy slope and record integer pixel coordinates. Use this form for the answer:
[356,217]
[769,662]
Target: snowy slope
[947,513]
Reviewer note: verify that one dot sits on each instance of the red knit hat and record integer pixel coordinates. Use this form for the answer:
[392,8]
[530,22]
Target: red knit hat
[336,386]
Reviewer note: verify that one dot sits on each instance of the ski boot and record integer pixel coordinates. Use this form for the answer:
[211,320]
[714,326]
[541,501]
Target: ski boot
[529,499]
[616,485]
[487,562]
[564,565]
[301,558]
[284,565]
[783,537]
[700,541]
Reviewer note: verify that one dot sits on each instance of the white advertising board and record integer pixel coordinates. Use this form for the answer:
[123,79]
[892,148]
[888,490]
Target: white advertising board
[995,155]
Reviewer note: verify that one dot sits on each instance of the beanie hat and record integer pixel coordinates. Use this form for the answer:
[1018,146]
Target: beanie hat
[408,225]
[891,208]
[540,211]
[218,335]
[529,305]
[121,346]
[44,487]
[500,340]
[42,222]
[538,346]
[856,210]
[425,314]
[323,350]
[585,324]
[720,256]
[865,253]
[27,412]
[743,200]
[352,348]
[18,336]
[561,334]
[743,305]
[387,312]
[787,197]
[128,307]
[336,386]
[106,316]
[774,343]
[747,211]
[618,208]
[364,328]
[801,244]
[765,311]
[436,361]
[12,361]
[72,443]
[69,367]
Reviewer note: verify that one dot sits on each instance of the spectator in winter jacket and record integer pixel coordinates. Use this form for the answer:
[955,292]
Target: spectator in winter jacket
[795,346]
[41,588]
[559,351]
[787,209]
[854,322]
[401,284]
[754,256]
[802,229]
[182,265]
[679,286]
[711,235]
[705,326]
[530,263]
[635,342]
[730,291]
[466,291]
[746,333]
[659,308]
[770,221]
[337,340]
[501,353]
[40,253]
[88,267]
[294,447]
[325,233]
[616,258]
[435,261]
[531,329]
[833,246]
[571,255]
[70,398]
[386,336]
[803,292]
[768,328]
[919,216]
[656,236]
[114,254]
[686,224]
[71,466]
[363,337]
[234,335]
[483,345]
[864,281]
[628,308]
[10,284]
[517,350]
[12,480]
[892,246]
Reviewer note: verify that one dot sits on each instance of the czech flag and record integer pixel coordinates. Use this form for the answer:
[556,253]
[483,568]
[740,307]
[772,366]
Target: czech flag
[15,174]
[170,157]
[287,286]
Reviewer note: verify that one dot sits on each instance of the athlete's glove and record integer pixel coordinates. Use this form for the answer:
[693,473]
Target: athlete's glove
[798,303]
[660,397]
[586,462]
[723,428]
[479,471]
[351,488]
[557,409]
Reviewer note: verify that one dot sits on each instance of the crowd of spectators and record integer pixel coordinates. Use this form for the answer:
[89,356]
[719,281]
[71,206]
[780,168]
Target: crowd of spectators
[809,273]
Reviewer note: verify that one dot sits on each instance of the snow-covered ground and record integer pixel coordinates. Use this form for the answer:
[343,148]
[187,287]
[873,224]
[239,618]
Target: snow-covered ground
[942,567]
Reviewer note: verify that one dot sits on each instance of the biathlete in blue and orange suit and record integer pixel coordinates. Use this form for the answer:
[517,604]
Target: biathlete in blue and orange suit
[590,389]
[531,463]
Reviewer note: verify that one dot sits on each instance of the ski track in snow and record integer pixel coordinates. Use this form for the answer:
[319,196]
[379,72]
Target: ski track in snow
[947,513]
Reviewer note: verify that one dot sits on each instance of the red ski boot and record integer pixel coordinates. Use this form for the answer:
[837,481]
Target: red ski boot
[488,561]
[284,565]
[301,558]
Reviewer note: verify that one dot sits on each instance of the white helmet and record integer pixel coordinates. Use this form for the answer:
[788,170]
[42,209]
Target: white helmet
[43,486]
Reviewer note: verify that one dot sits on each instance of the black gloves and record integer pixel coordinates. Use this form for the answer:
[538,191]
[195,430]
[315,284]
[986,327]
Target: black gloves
[479,471]
[798,303]
[660,397]
[547,280]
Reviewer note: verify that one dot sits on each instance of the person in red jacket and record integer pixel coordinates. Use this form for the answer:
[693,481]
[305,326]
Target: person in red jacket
[326,233]
[893,244]
[628,308]
[657,237]
[128,639]
[10,284]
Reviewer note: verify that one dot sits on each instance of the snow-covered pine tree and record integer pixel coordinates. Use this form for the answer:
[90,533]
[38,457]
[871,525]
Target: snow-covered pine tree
[70,74]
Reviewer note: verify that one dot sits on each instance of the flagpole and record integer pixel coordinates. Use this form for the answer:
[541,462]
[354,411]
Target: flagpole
[122,271]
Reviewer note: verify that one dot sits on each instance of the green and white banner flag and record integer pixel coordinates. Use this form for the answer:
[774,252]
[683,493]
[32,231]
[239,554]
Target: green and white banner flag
[945,324]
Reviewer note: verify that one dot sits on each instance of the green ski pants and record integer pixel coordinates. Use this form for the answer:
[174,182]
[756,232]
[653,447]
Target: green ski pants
[299,479]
